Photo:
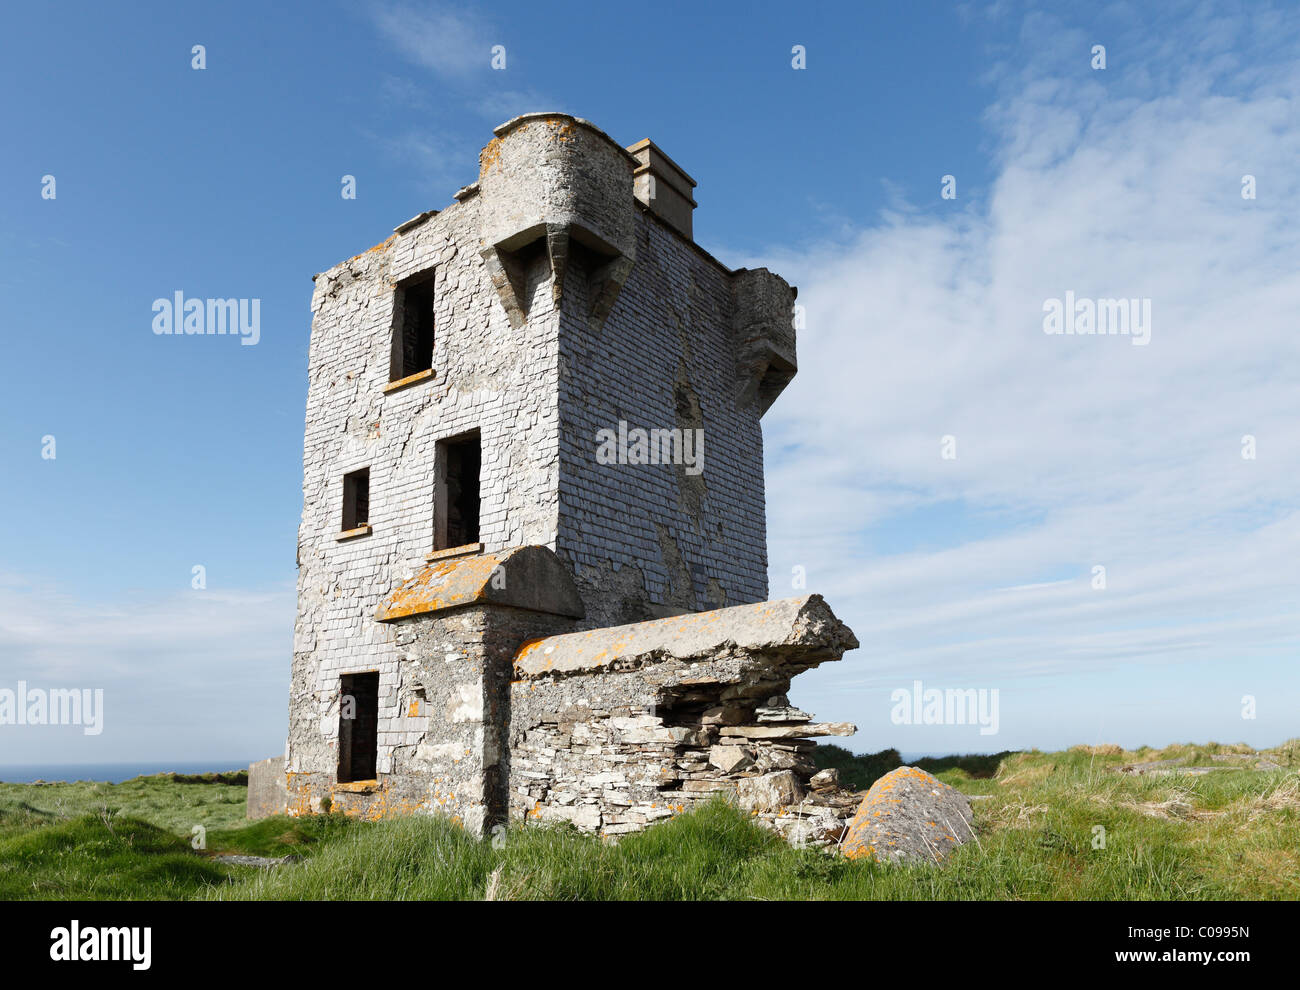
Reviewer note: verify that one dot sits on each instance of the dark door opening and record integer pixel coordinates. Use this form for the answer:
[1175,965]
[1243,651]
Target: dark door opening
[458,463]
[358,726]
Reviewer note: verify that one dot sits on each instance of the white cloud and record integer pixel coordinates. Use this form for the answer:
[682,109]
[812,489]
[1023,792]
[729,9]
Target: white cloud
[456,45]
[1099,452]
[190,676]
[452,42]
[441,164]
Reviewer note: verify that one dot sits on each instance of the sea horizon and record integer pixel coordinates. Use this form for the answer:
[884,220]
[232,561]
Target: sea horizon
[116,773]
[112,773]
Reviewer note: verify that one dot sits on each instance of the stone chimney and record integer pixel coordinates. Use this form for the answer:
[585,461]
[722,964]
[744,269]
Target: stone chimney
[659,183]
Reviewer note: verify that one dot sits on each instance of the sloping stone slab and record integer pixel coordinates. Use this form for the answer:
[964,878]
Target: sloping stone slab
[802,630]
[529,577]
[908,816]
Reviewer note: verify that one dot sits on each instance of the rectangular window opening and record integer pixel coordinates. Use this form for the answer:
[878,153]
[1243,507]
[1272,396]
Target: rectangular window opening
[358,726]
[456,492]
[412,328]
[356,499]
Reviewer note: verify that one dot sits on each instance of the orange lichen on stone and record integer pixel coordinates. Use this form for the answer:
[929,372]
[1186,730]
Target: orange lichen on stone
[443,584]
[299,794]
[880,817]
[381,246]
[489,156]
[565,130]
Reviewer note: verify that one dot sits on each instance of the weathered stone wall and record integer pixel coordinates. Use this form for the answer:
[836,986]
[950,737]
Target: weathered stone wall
[452,678]
[648,540]
[510,712]
[489,377]
[616,728]
[266,788]
[609,315]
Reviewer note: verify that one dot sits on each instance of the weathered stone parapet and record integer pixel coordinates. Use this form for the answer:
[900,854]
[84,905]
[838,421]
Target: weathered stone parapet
[612,729]
[559,180]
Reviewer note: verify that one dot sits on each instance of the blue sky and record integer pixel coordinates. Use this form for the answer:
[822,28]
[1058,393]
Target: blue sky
[923,320]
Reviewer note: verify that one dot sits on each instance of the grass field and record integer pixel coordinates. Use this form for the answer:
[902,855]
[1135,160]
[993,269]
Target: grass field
[1233,834]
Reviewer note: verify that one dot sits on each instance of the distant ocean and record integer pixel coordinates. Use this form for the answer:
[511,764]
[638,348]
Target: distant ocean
[114,773]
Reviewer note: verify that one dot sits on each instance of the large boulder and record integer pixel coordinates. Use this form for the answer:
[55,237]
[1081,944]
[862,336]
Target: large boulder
[908,816]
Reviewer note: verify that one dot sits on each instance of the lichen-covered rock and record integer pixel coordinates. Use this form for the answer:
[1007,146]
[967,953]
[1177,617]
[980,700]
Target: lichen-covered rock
[908,816]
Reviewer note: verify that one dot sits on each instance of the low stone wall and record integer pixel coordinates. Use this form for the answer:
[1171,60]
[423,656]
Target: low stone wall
[267,794]
[613,729]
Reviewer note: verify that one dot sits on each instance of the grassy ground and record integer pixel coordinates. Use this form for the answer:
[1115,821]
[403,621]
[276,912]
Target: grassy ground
[173,803]
[1229,834]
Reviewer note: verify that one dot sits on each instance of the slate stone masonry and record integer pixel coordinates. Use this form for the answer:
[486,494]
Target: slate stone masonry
[568,298]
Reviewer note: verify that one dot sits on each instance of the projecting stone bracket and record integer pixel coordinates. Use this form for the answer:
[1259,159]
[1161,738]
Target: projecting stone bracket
[566,245]
[764,335]
[506,284]
[507,266]
[605,285]
[762,372]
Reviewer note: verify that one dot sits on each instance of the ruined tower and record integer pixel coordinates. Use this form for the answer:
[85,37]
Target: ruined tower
[535,415]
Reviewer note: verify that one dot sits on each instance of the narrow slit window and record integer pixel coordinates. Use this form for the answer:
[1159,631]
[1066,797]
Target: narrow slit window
[456,514]
[412,329]
[356,499]
[358,726]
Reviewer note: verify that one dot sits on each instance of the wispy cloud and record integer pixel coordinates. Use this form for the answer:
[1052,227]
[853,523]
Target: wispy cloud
[456,45]
[194,675]
[442,164]
[1122,183]
[502,105]
[451,41]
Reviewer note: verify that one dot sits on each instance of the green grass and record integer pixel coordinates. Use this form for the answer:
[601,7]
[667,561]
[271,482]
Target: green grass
[1233,834]
[100,841]
[98,858]
[171,803]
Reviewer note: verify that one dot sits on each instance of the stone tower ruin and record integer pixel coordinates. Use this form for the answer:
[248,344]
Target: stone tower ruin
[532,557]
